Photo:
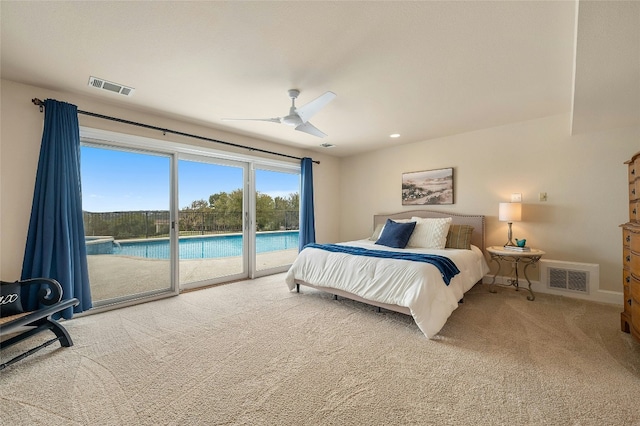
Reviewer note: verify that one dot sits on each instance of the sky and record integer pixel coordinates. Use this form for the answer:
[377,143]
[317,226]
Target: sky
[128,181]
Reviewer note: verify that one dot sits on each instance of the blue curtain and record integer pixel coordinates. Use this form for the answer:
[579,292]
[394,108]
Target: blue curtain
[55,241]
[307,219]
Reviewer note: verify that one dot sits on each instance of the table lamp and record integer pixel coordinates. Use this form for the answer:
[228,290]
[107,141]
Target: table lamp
[510,212]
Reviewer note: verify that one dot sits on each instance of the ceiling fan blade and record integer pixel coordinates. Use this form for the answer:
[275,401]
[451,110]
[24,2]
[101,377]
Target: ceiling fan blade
[311,129]
[309,110]
[271,120]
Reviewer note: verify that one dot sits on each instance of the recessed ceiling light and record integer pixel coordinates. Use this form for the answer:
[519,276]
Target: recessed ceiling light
[327,145]
[394,135]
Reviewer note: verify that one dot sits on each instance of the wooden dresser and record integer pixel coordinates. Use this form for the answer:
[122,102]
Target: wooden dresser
[630,317]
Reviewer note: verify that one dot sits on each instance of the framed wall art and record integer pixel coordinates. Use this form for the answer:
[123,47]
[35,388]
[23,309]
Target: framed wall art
[427,187]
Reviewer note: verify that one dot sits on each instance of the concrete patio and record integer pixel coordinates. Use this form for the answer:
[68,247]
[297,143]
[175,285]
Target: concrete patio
[113,276]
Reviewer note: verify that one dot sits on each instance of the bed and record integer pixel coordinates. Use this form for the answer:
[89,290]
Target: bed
[422,288]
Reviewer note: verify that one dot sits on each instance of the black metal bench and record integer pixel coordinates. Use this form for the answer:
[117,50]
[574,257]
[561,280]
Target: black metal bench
[26,324]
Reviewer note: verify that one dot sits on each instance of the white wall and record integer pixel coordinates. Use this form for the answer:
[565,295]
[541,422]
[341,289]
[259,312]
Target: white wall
[20,137]
[584,177]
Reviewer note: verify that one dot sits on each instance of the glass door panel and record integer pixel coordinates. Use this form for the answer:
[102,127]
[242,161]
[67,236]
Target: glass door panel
[276,219]
[126,208]
[211,222]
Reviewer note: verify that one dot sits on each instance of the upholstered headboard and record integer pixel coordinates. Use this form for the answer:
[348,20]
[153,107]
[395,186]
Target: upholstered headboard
[477,221]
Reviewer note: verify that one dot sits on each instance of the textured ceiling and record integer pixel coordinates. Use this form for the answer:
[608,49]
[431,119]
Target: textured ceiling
[421,69]
[607,78]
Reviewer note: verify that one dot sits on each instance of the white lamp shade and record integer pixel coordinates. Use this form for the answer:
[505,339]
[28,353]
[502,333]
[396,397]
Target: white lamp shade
[510,212]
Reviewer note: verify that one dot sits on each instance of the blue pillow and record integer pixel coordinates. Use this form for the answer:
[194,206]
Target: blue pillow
[396,234]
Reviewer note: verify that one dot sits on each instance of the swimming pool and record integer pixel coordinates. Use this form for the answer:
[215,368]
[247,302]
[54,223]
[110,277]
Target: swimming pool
[207,247]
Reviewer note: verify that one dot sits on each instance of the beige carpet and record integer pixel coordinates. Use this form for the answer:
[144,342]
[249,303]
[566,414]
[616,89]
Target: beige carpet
[252,353]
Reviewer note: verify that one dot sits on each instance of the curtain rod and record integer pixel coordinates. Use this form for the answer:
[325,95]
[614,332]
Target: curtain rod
[39,103]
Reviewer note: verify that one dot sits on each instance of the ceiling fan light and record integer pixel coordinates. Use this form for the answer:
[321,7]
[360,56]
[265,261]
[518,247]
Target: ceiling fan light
[291,120]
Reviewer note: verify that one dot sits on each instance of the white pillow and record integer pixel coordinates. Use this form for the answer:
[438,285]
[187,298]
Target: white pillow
[377,232]
[430,233]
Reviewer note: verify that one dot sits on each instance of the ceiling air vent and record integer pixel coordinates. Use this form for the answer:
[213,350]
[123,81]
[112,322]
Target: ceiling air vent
[109,86]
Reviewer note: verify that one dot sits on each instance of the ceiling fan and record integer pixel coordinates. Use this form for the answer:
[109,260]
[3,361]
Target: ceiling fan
[298,117]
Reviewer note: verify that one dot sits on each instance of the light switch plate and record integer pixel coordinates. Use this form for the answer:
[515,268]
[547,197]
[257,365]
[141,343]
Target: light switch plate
[516,197]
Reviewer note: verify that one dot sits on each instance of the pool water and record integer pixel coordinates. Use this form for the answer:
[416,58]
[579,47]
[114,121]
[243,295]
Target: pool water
[208,247]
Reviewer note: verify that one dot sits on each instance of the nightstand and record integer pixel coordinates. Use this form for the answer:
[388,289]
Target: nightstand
[527,258]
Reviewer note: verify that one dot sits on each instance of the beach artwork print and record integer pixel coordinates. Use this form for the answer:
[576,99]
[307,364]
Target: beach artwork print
[427,187]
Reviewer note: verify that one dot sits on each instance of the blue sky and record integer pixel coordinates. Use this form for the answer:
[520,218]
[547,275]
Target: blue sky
[128,181]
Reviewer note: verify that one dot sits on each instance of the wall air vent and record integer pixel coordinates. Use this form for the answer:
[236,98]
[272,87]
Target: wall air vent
[109,86]
[569,276]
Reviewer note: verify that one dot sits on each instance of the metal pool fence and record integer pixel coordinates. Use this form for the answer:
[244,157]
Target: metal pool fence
[156,223]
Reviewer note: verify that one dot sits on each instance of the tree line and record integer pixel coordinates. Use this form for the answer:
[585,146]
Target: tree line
[225,210]
[221,213]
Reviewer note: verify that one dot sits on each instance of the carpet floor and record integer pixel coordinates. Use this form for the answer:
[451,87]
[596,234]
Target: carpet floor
[252,353]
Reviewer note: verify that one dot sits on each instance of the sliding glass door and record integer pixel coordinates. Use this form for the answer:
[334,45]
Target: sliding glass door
[236,220]
[126,202]
[160,218]
[212,221]
[277,196]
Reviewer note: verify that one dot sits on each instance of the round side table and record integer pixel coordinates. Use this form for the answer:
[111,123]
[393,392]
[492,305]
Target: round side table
[528,258]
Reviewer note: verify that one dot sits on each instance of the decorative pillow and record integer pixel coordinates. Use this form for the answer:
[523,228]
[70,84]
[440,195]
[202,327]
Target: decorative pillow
[430,233]
[396,234]
[459,237]
[10,303]
[377,232]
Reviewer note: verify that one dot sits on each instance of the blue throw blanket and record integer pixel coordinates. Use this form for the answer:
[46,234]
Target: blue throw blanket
[447,268]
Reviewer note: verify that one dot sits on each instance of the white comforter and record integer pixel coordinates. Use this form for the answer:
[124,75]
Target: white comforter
[416,285]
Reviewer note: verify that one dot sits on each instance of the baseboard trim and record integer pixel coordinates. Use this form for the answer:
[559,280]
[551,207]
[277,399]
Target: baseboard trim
[601,296]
